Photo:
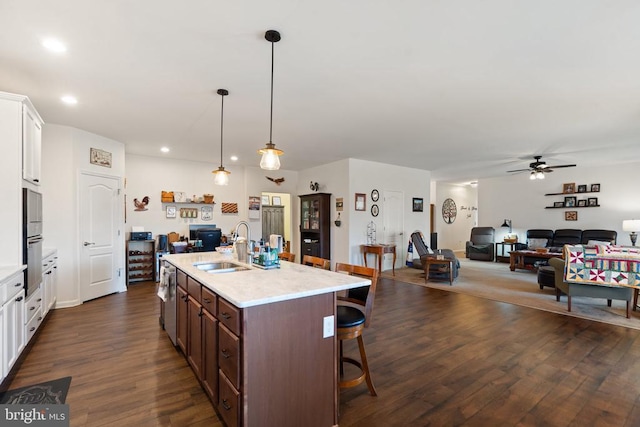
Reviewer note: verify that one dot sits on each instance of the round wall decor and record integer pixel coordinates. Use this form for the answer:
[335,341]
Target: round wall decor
[375,210]
[375,195]
[449,211]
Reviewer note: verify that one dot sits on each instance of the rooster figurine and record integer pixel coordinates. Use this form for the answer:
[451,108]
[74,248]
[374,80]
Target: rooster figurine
[141,205]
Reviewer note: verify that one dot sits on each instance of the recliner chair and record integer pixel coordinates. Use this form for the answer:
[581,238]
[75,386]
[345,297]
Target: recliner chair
[481,245]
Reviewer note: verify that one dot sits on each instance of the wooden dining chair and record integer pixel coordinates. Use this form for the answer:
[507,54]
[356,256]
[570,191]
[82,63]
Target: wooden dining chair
[316,262]
[354,313]
[287,256]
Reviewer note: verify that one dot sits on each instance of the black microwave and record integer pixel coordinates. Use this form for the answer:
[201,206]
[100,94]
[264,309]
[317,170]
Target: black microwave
[141,235]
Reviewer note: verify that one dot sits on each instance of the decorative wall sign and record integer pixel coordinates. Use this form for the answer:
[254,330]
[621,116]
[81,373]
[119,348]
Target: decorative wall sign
[571,216]
[100,157]
[254,207]
[206,213]
[171,211]
[188,212]
[339,204]
[449,211]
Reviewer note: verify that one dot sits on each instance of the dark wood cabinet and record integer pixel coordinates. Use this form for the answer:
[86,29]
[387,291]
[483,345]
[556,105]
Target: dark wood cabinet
[182,319]
[315,233]
[194,334]
[210,355]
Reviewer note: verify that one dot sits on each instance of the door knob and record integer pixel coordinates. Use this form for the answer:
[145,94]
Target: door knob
[88,243]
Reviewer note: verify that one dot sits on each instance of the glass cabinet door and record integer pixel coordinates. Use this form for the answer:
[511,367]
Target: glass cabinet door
[304,209]
[314,214]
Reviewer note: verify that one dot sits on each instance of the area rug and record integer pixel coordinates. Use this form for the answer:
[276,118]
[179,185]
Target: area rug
[497,282]
[46,393]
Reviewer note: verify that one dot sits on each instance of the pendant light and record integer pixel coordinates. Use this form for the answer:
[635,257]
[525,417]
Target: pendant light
[270,154]
[221,175]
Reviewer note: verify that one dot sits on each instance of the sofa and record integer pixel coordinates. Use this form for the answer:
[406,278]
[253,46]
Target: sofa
[605,287]
[481,244]
[555,240]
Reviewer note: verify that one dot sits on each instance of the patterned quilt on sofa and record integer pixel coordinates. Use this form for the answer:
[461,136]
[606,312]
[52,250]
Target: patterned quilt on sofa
[602,265]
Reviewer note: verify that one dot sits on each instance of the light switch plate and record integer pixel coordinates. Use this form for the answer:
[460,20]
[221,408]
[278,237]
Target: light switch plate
[328,326]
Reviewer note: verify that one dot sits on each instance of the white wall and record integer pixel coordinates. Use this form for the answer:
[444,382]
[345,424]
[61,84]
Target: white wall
[65,153]
[524,201]
[149,176]
[455,235]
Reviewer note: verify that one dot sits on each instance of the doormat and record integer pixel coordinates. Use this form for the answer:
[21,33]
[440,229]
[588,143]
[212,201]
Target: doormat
[46,393]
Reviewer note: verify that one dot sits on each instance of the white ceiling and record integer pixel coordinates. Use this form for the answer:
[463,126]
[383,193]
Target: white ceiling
[466,89]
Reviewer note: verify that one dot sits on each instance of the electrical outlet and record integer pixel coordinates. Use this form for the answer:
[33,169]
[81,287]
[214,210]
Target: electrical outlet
[328,326]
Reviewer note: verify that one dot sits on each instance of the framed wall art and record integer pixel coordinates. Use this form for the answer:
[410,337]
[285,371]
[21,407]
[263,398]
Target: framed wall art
[569,201]
[361,201]
[418,204]
[100,157]
[571,216]
[569,188]
[595,188]
[593,201]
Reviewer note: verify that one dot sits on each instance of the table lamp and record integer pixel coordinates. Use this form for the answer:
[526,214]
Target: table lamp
[631,225]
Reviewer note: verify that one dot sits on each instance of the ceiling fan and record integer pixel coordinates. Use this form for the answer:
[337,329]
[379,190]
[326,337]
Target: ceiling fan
[539,168]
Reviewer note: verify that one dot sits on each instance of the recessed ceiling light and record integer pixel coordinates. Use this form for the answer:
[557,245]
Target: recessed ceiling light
[165,149]
[234,158]
[54,45]
[69,100]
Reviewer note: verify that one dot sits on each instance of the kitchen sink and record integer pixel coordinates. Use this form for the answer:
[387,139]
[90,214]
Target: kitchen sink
[220,267]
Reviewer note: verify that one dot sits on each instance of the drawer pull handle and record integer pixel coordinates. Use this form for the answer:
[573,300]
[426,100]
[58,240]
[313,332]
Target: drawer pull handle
[17,285]
[225,404]
[32,308]
[39,318]
[207,300]
[33,328]
[19,299]
[225,353]
[225,315]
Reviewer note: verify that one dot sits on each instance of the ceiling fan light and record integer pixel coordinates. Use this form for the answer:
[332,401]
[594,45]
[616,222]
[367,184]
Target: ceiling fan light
[221,176]
[540,175]
[532,176]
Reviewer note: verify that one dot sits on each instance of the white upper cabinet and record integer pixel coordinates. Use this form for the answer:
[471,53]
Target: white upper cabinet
[31,144]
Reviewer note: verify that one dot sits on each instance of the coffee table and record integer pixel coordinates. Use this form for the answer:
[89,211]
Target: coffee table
[517,258]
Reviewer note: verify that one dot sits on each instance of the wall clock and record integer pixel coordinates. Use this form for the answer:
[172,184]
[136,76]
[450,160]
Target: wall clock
[375,210]
[375,195]
[449,211]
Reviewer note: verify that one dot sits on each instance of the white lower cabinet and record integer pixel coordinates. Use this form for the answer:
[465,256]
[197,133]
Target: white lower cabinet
[33,317]
[49,282]
[13,327]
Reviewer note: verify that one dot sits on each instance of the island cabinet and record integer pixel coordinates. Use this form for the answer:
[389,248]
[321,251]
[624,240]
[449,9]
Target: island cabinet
[268,364]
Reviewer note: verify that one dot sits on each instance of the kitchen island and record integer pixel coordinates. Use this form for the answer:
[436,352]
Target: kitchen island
[261,342]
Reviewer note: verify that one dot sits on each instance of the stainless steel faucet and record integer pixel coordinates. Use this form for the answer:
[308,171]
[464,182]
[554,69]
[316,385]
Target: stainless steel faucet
[249,255]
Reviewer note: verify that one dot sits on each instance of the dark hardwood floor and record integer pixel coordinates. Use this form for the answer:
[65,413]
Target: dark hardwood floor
[437,359]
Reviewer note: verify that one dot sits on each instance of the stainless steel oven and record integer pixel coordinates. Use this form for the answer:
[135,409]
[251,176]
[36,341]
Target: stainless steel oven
[32,239]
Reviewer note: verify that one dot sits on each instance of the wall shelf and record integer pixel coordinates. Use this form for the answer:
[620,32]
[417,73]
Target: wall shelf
[570,194]
[571,207]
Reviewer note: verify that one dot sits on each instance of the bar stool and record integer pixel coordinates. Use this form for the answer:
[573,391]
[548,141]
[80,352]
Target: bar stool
[317,262]
[354,313]
[287,256]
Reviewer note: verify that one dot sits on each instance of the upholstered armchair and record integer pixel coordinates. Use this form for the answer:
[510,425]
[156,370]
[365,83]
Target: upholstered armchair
[481,244]
[423,252]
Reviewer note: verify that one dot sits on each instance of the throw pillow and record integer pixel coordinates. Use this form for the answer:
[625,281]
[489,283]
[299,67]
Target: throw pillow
[598,243]
[537,243]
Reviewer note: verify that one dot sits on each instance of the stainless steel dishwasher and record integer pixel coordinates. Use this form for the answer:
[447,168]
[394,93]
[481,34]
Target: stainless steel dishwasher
[169,320]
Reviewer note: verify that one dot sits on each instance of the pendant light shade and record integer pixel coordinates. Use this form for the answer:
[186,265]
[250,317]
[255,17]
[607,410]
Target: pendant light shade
[221,176]
[270,154]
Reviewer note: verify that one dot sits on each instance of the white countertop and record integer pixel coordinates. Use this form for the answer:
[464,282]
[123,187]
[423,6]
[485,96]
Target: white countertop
[257,286]
[7,271]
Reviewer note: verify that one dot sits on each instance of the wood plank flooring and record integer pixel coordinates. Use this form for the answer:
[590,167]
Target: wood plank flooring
[437,359]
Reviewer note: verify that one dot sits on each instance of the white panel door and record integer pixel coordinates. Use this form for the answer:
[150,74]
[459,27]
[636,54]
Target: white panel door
[393,224]
[100,272]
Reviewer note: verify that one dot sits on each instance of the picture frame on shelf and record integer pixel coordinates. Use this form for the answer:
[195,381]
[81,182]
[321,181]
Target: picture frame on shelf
[569,187]
[571,216]
[558,204]
[582,203]
[595,188]
[593,201]
[582,188]
[276,200]
[361,202]
[418,204]
[569,201]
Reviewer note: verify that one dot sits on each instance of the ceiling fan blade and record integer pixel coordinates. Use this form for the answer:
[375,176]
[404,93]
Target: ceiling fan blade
[519,170]
[560,166]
